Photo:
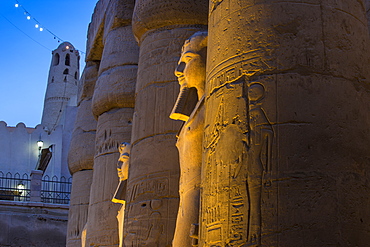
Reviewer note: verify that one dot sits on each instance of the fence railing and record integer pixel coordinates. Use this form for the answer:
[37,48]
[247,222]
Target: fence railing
[56,190]
[18,188]
[14,187]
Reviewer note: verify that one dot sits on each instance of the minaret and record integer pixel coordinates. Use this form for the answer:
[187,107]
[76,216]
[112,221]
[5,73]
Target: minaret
[62,84]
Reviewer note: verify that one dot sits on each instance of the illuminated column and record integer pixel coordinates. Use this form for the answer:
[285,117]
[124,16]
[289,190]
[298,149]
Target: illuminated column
[161,28]
[113,106]
[81,157]
[62,84]
[287,124]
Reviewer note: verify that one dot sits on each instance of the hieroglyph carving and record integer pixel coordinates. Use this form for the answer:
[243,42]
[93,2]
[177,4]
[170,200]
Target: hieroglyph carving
[145,208]
[259,156]
[215,3]
[105,143]
[237,163]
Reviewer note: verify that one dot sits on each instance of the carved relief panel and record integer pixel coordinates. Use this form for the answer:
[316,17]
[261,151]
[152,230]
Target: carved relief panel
[147,210]
[237,165]
[113,127]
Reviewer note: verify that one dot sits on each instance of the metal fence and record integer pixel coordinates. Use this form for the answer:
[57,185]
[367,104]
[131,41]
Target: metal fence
[14,187]
[17,188]
[56,190]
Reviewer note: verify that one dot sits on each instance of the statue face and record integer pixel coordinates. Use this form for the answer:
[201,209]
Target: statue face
[191,74]
[123,160]
[124,151]
[191,69]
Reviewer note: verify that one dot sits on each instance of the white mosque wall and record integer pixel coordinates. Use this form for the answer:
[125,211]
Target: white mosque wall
[19,151]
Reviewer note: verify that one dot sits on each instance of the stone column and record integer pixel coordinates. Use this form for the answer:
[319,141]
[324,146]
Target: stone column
[367,4]
[81,156]
[113,105]
[161,28]
[35,186]
[287,136]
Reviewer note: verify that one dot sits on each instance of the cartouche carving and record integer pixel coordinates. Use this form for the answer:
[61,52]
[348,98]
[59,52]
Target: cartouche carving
[191,74]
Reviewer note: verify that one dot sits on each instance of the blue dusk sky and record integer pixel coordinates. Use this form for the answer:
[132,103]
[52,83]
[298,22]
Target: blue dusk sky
[26,51]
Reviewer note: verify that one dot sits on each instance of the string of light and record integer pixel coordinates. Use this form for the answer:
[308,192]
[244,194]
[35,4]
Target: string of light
[24,32]
[38,25]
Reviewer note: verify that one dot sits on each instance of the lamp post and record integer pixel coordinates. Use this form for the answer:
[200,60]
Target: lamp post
[20,187]
[40,143]
[36,177]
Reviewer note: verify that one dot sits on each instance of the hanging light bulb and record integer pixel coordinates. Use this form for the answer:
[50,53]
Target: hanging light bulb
[37,24]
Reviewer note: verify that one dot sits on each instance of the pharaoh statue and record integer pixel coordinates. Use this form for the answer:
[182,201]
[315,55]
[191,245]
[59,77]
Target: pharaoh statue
[189,107]
[120,194]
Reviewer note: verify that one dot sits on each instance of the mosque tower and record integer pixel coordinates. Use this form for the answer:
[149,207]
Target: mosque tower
[62,85]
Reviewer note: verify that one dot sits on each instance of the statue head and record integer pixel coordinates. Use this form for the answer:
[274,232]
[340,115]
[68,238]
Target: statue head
[191,68]
[191,74]
[122,170]
[123,160]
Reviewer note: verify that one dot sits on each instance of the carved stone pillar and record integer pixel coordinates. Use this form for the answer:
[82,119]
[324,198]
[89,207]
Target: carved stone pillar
[81,156]
[161,28]
[102,227]
[287,136]
[113,106]
[367,4]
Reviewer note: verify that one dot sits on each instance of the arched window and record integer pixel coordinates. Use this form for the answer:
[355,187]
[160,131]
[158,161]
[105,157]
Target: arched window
[76,75]
[68,60]
[56,59]
[66,72]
